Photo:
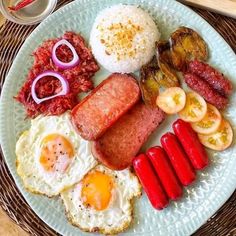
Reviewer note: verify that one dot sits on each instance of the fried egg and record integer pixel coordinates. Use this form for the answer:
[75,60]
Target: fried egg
[51,156]
[101,201]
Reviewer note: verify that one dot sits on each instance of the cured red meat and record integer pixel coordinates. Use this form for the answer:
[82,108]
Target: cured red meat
[212,76]
[205,90]
[79,77]
[121,143]
[104,105]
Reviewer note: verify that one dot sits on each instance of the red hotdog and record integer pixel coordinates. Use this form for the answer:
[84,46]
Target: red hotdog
[165,172]
[191,144]
[150,182]
[178,159]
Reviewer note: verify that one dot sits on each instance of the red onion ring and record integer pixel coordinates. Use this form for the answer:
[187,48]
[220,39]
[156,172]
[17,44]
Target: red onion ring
[64,84]
[59,63]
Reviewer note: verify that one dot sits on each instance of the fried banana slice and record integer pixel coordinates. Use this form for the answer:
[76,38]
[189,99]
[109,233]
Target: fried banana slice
[185,45]
[148,84]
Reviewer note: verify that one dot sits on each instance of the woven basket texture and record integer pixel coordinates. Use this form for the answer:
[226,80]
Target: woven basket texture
[12,36]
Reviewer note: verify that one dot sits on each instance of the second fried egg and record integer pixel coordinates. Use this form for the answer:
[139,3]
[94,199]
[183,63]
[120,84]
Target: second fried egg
[51,156]
[101,201]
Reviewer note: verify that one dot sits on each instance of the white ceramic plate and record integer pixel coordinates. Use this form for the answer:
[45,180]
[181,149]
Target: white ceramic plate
[214,185]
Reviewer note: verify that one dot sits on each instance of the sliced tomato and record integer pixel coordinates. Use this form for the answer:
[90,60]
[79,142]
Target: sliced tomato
[172,100]
[195,108]
[210,122]
[219,140]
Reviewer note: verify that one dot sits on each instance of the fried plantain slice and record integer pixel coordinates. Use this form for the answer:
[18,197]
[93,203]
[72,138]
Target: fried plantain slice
[163,51]
[148,84]
[154,75]
[164,61]
[185,45]
[163,81]
[169,75]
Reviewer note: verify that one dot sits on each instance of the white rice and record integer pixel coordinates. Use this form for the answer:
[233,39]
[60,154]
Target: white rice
[123,38]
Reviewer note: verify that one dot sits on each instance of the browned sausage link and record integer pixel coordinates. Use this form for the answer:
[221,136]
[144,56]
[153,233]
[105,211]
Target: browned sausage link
[212,76]
[206,91]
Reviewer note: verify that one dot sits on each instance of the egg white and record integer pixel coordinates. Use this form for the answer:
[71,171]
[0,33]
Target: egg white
[28,150]
[116,217]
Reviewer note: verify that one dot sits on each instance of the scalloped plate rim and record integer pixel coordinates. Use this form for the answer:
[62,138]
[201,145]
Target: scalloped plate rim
[11,72]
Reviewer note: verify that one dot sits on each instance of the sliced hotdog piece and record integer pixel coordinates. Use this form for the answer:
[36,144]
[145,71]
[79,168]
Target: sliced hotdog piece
[165,172]
[104,105]
[191,144]
[178,159]
[121,142]
[150,182]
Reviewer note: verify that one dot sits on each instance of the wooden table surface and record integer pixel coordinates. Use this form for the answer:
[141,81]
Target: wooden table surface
[8,227]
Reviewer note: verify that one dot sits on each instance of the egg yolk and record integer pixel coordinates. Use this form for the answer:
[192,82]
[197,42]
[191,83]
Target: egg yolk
[56,153]
[97,190]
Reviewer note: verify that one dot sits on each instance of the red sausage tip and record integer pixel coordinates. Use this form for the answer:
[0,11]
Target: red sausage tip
[165,172]
[178,159]
[150,182]
[191,144]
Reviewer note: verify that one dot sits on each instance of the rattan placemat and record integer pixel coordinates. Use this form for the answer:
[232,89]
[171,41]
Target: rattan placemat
[12,37]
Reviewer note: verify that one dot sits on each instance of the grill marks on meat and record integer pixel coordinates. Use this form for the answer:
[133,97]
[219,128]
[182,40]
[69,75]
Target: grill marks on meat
[209,83]
[122,141]
[79,77]
[211,76]
[206,91]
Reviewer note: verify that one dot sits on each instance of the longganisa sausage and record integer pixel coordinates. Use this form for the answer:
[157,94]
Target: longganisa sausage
[150,182]
[191,144]
[178,159]
[165,172]
[216,79]
[206,91]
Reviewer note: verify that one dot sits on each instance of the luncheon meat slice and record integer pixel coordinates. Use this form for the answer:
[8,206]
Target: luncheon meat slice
[106,103]
[121,143]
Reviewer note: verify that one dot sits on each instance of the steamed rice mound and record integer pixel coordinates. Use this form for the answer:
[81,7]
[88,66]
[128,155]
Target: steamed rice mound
[123,38]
